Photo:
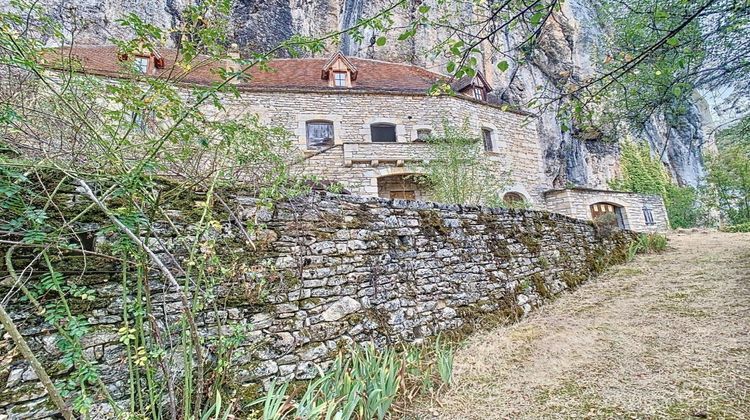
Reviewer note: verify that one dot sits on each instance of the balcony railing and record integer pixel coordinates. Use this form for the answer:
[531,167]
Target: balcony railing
[399,153]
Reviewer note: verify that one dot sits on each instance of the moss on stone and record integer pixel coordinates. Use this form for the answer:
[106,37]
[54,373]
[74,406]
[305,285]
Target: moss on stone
[541,286]
[530,242]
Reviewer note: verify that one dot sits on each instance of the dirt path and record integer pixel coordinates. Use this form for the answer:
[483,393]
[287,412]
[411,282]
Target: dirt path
[665,336]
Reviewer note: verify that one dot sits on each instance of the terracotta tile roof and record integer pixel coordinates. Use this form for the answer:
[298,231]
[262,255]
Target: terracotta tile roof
[304,73]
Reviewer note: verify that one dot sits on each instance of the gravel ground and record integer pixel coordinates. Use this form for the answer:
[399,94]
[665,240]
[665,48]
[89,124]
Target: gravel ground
[664,336]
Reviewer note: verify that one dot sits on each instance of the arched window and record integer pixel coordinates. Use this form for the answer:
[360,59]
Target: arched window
[319,134]
[383,133]
[514,199]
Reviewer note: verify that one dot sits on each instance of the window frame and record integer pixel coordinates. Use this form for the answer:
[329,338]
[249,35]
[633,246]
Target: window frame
[648,216]
[383,125]
[336,75]
[325,144]
[479,93]
[488,139]
[139,59]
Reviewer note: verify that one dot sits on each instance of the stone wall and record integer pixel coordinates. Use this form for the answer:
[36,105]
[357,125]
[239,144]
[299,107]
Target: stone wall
[326,271]
[576,202]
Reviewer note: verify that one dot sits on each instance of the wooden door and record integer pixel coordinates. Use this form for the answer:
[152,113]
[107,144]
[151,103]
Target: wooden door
[403,195]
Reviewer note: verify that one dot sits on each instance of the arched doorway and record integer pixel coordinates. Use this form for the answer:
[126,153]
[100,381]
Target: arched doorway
[400,186]
[608,214]
[514,199]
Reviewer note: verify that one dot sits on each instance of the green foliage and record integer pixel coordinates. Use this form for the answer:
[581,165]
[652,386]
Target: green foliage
[459,171]
[363,383]
[643,173]
[740,227]
[647,243]
[729,173]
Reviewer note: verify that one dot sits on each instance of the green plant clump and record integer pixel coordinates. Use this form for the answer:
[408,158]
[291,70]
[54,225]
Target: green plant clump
[362,383]
[647,243]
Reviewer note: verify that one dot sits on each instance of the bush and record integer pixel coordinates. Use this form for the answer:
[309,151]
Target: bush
[741,227]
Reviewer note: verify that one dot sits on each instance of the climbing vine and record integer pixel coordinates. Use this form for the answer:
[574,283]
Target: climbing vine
[643,173]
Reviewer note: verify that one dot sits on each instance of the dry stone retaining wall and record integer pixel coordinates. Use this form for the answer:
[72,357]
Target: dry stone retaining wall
[337,270]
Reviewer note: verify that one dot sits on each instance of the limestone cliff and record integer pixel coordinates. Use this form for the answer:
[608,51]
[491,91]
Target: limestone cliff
[565,53]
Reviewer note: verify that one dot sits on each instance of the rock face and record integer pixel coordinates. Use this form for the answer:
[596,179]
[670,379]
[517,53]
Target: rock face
[565,53]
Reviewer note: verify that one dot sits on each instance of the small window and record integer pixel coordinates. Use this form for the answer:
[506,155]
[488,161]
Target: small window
[478,93]
[648,215]
[487,139]
[383,133]
[423,134]
[319,134]
[339,79]
[141,64]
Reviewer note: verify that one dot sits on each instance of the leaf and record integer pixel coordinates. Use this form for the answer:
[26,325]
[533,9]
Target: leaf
[423,9]
[677,91]
[406,35]
[536,18]
[380,41]
[451,67]
[503,65]
[672,42]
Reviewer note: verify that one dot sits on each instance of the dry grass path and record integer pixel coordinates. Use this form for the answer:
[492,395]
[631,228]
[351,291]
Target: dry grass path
[665,336]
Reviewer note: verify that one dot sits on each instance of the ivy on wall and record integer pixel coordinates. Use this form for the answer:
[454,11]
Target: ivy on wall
[643,173]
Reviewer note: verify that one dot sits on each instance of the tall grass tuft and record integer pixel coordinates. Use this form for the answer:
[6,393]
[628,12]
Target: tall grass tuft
[363,383]
[647,243]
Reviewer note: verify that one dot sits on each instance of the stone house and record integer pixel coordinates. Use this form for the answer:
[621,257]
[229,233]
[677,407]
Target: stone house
[362,123]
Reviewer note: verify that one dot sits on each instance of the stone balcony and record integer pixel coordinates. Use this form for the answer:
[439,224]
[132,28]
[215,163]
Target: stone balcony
[376,153]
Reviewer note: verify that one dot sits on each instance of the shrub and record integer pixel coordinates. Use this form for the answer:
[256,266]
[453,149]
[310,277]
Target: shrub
[458,171]
[741,227]
[605,224]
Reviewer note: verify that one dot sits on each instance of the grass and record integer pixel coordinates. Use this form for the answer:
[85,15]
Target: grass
[662,337]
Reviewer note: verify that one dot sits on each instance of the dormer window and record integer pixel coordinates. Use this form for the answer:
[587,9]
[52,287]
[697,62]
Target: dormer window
[479,93]
[473,86]
[339,71]
[142,64]
[339,79]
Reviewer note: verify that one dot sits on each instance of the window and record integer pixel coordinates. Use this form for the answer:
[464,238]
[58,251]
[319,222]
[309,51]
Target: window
[423,134]
[319,134]
[478,93]
[649,216]
[141,64]
[383,133]
[339,78]
[487,139]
